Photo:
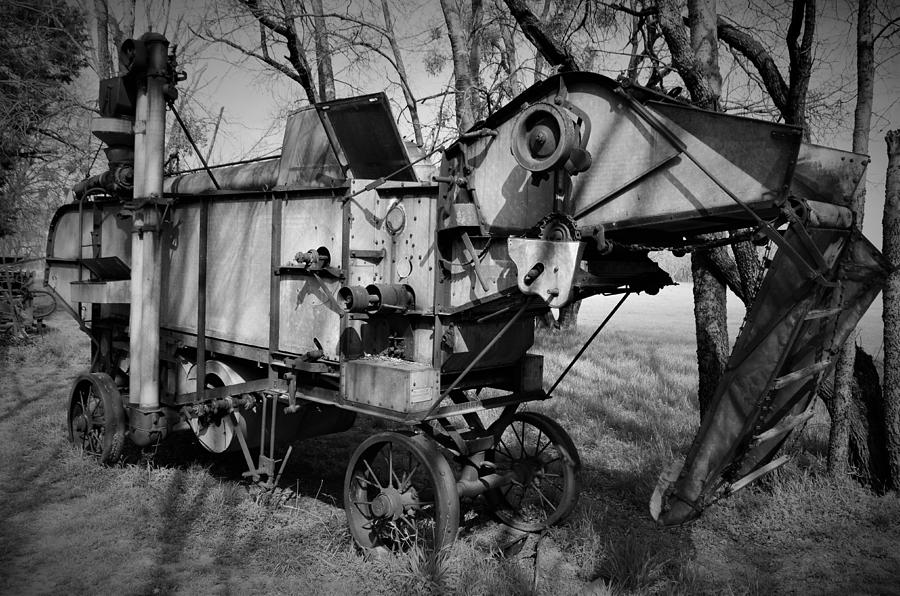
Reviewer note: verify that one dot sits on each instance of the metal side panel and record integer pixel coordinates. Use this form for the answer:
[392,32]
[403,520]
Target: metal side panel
[307,158]
[826,174]
[678,193]
[180,255]
[308,309]
[239,257]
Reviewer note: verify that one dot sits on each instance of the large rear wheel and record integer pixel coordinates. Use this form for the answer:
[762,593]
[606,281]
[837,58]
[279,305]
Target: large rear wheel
[96,418]
[400,492]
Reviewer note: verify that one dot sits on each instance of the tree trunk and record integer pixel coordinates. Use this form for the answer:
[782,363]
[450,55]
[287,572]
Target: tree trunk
[104,62]
[553,50]
[408,96]
[891,314]
[323,54]
[696,59]
[843,376]
[510,56]
[465,115]
[711,326]
[122,29]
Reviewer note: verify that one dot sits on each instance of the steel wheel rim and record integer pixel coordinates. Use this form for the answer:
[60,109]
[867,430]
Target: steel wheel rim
[539,456]
[396,496]
[87,424]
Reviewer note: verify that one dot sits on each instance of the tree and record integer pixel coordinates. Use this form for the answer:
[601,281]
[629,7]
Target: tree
[839,438]
[352,40]
[695,58]
[41,53]
[891,315]
[463,29]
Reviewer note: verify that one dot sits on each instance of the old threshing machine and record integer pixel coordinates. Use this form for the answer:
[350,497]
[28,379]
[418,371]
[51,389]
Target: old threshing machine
[265,302]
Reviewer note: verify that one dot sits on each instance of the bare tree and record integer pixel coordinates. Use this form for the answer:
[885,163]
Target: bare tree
[323,53]
[399,65]
[891,314]
[839,438]
[42,50]
[463,38]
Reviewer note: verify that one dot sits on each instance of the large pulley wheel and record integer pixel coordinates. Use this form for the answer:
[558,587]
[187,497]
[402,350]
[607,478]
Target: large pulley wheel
[543,463]
[96,418]
[543,137]
[400,492]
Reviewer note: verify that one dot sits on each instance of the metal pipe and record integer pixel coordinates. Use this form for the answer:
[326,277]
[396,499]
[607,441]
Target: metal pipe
[146,253]
[471,488]
[135,317]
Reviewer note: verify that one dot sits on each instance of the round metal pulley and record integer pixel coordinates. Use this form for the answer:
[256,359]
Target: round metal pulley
[543,137]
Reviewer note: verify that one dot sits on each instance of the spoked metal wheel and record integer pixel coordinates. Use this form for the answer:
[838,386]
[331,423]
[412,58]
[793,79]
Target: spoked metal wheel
[543,463]
[400,492]
[97,418]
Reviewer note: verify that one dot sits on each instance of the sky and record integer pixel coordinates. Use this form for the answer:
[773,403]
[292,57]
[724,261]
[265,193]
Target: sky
[255,101]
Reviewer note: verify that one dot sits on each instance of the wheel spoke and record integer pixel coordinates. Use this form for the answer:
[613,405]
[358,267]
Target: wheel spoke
[521,441]
[554,460]
[543,497]
[406,483]
[359,478]
[372,473]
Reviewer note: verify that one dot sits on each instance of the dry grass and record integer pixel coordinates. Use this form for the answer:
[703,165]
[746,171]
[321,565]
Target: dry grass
[180,521]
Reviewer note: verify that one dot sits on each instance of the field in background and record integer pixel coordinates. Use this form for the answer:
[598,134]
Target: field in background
[181,521]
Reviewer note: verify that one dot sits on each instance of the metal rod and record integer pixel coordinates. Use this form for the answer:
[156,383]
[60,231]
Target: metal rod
[376,183]
[225,165]
[194,145]
[201,299]
[587,343]
[477,358]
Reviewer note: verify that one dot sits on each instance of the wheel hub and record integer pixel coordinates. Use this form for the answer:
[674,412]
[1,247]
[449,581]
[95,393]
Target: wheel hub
[388,503]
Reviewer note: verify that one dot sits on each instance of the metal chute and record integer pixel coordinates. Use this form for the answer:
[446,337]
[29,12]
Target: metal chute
[789,343]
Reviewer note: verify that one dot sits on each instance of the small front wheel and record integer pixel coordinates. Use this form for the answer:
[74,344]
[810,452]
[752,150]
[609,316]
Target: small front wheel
[400,492]
[543,463]
[96,418]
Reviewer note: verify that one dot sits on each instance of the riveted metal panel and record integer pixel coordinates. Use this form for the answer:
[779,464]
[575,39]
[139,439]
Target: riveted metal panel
[308,308]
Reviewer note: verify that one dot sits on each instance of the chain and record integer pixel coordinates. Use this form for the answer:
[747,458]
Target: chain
[751,234]
[757,283]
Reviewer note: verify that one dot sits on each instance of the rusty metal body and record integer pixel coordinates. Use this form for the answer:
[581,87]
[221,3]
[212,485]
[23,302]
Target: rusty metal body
[340,278]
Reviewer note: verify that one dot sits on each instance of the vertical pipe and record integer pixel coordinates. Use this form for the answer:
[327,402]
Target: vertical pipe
[201,301]
[135,320]
[146,257]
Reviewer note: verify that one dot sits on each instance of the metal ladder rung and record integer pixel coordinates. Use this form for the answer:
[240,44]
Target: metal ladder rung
[822,313]
[733,488]
[783,427]
[801,374]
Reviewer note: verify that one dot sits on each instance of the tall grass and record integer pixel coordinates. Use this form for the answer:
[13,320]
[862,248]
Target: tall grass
[179,520]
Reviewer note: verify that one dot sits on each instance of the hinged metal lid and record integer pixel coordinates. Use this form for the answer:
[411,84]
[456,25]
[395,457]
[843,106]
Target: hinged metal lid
[363,133]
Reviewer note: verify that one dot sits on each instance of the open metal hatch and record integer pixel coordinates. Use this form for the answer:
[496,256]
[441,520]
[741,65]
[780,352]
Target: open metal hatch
[365,137]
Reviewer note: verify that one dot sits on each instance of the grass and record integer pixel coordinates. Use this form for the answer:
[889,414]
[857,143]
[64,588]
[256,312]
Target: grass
[181,521]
